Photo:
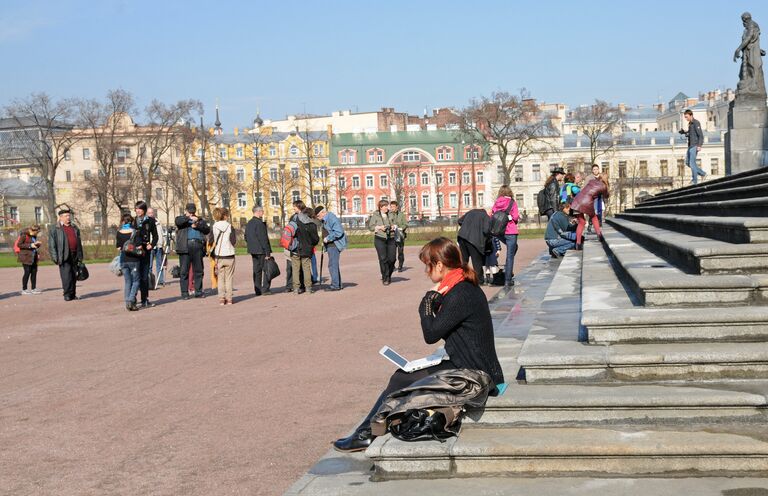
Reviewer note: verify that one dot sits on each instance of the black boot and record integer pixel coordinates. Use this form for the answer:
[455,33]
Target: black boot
[357,441]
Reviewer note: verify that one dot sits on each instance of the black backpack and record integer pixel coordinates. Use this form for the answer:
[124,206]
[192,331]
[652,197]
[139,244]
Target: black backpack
[541,202]
[499,221]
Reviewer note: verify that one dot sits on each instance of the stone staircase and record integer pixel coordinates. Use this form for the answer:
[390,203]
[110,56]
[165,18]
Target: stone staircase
[647,356]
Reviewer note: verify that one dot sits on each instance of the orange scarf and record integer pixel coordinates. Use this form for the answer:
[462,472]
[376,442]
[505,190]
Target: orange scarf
[450,280]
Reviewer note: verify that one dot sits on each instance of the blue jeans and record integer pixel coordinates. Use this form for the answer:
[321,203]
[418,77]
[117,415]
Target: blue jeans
[131,276]
[560,246]
[157,263]
[313,266]
[511,241]
[333,266]
[690,161]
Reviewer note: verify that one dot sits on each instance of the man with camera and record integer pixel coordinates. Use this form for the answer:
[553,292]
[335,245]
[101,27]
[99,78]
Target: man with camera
[147,229]
[398,218]
[258,246]
[66,249]
[190,245]
[695,141]
[384,230]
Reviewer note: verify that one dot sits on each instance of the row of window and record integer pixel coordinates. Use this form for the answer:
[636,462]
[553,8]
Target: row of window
[413,202]
[13,215]
[640,168]
[466,178]
[348,156]
[272,151]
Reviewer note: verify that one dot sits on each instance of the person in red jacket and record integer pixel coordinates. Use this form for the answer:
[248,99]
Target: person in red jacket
[584,204]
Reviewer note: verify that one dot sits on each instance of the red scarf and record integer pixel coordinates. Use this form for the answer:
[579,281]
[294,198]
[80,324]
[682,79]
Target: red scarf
[450,280]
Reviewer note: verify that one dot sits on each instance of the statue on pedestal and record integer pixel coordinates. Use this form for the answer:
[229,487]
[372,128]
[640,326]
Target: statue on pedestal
[751,79]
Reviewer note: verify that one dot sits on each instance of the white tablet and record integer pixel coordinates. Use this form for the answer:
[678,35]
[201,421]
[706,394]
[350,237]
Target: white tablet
[410,366]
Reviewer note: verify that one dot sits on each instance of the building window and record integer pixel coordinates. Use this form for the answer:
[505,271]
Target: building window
[239,152]
[451,178]
[223,152]
[347,157]
[38,215]
[356,182]
[438,178]
[369,181]
[318,197]
[240,175]
[369,204]
[714,163]
[255,174]
[159,193]
[424,179]
[241,200]
[67,155]
[343,204]
[317,150]
[294,151]
[480,177]
[122,155]
[273,174]
[411,179]
[86,153]
[294,172]
[295,195]
[121,172]
[68,176]
[480,199]
[412,203]
[467,199]
[14,214]
[411,157]
[87,175]
[681,167]
[342,182]
[258,199]
[97,218]
[440,201]
[425,200]
[520,199]
[375,156]
[383,181]
[536,172]
[643,168]
[445,153]
[255,151]
[356,204]
[319,172]
[274,199]
[199,153]
[519,173]
[472,153]
[622,168]
[453,200]
[466,177]
[272,151]
[664,168]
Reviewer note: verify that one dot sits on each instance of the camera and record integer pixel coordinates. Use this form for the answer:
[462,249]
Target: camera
[681,131]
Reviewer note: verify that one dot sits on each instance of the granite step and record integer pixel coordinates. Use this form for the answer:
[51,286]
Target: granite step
[693,254]
[730,229]
[567,451]
[748,178]
[636,404]
[653,281]
[756,190]
[740,207]
[609,314]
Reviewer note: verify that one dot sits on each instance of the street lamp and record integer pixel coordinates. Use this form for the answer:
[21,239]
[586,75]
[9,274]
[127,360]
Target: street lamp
[204,179]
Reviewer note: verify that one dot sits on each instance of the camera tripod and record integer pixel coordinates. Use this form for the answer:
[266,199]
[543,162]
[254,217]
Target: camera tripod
[169,240]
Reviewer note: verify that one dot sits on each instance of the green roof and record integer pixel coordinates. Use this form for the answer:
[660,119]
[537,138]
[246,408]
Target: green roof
[440,136]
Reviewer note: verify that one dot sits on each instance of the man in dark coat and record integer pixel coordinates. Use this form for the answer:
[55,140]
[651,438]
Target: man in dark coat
[473,236]
[147,228]
[258,246]
[66,250]
[190,245]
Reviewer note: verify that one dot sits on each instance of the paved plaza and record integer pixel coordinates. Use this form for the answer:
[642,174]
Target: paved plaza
[190,397]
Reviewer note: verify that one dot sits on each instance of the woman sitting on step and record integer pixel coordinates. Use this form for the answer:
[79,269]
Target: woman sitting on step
[454,310]
[584,204]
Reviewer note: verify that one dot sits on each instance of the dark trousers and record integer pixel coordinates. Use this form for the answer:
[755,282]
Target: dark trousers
[30,275]
[387,252]
[400,254]
[289,275]
[470,252]
[67,271]
[260,282]
[399,380]
[194,259]
[145,265]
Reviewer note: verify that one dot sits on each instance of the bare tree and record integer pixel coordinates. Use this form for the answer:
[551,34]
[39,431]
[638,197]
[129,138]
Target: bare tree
[257,140]
[598,123]
[156,141]
[43,138]
[308,156]
[511,124]
[281,181]
[398,178]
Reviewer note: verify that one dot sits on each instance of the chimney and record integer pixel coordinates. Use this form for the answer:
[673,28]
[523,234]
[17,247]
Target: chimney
[622,108]
[330,132]
[237,131]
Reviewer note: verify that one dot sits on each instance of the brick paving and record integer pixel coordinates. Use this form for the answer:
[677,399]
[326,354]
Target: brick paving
[189,397]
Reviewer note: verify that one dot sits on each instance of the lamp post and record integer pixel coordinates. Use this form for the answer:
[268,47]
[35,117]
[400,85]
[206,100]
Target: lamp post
[203,179]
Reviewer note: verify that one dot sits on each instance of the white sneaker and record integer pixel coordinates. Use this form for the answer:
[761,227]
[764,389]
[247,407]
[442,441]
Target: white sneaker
[36,291]
[26,292]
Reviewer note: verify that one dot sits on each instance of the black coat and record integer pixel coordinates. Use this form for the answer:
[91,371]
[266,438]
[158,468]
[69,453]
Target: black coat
[475,225]
[58,246]
[307,237]
[183,226]
[552,196]
[257,238]
[147,231]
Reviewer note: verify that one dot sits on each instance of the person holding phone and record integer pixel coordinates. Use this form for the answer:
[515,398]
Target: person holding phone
[29,254]
[454,310]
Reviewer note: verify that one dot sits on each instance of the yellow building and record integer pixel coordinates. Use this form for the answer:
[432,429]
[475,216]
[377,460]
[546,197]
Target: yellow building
[260,167]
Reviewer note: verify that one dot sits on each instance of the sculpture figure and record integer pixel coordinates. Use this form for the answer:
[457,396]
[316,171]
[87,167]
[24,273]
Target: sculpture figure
[751,79]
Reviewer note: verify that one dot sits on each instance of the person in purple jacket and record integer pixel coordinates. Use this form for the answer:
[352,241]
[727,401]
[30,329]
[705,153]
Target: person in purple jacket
[503,201]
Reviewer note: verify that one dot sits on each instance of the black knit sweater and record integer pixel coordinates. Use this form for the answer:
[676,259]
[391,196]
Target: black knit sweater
[462,318]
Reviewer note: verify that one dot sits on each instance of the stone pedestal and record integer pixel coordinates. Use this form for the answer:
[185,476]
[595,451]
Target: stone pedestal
[746,142]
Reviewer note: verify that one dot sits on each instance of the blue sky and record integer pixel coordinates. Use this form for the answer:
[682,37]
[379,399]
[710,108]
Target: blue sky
[320,56]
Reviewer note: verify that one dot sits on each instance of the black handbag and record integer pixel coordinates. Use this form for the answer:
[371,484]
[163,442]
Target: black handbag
[271,269]
[134,247]
[81,271]
[424,425]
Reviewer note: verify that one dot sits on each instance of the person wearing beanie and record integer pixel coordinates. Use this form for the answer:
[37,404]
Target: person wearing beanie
[190,245]
[334,242]
[66,250]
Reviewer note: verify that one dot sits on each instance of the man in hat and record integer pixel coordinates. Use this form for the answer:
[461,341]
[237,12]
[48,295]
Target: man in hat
[190,245]
[334,242]
[66,250]
[552,192]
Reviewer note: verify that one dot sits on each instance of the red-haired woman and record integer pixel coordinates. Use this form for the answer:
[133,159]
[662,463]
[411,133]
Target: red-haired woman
[454,310]
[584,204]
